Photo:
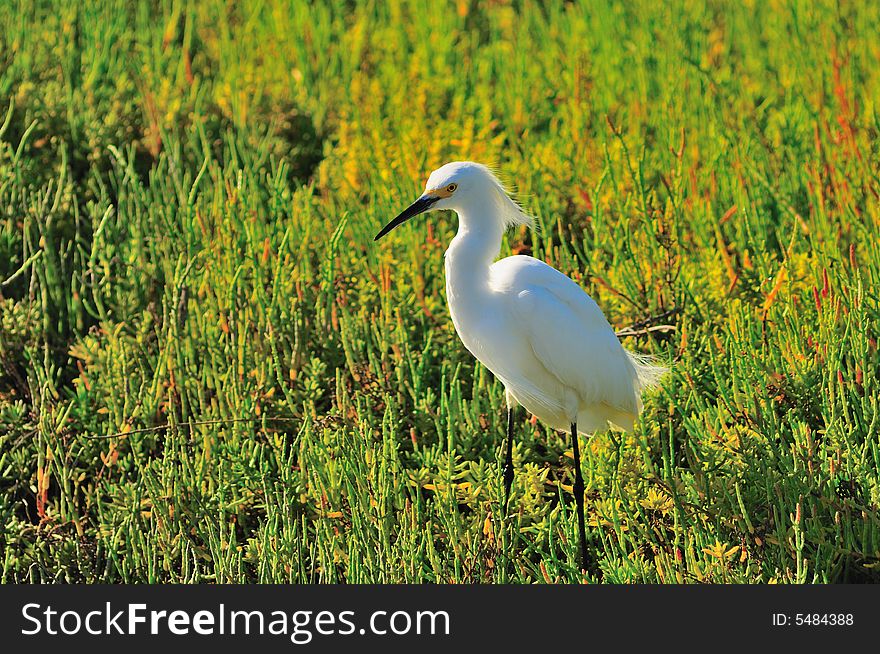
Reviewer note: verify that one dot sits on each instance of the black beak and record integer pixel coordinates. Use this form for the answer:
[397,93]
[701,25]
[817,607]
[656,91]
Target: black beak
[419,206]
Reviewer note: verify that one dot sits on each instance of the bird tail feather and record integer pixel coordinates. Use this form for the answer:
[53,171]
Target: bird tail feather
[648,373]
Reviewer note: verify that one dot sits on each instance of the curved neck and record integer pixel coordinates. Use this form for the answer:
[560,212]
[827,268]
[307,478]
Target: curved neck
[474,248]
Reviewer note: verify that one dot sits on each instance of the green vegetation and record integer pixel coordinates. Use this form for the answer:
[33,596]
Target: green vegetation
[210,373]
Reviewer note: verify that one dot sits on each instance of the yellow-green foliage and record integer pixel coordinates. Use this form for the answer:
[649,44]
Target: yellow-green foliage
[209,372]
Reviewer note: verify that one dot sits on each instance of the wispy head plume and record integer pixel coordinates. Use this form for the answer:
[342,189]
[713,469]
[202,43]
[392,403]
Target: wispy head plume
[509,209]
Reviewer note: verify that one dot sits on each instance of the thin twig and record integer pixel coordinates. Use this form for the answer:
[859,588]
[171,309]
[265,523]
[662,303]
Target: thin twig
[647,330]
[648,325]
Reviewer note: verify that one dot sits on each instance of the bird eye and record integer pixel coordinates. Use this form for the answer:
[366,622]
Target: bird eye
[451,188]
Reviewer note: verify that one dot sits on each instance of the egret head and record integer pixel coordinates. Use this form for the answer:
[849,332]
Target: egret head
[458,185]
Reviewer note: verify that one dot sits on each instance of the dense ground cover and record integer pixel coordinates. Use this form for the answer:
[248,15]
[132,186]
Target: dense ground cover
[209,372]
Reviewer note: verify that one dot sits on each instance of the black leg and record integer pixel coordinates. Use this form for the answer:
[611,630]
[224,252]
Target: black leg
[579,495]
[508,459]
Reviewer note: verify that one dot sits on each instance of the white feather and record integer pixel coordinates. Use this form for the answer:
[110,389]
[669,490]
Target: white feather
[532,326]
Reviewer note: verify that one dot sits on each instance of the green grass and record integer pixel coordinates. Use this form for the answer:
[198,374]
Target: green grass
[188,200]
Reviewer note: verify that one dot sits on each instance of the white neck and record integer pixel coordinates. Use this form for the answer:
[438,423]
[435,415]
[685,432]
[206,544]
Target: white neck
[474,248]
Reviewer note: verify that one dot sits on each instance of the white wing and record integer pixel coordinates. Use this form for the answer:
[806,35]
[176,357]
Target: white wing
[568,334]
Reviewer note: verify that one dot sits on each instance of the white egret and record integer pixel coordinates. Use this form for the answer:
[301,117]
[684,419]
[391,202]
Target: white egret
[533,327]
